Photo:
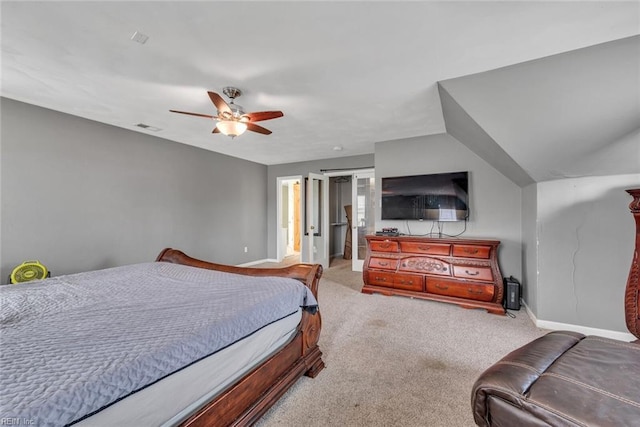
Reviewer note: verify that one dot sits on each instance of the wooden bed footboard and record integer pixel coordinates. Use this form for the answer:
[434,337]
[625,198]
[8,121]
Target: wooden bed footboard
[243,403]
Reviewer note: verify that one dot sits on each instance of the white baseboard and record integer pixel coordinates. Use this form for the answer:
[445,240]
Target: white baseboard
[259,261]
[586,330]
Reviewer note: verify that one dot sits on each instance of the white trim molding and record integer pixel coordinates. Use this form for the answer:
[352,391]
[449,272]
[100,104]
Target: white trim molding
[586,330]
[259,261]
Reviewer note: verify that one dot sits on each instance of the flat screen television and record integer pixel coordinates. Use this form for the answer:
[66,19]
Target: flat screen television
[434,197]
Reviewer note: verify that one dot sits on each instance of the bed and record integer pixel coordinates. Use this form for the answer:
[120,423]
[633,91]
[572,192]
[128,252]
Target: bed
[176,342]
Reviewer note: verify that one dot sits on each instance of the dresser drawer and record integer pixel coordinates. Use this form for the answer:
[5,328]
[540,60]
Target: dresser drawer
[471,251]
[425,248]
[381,278]
[383,246]
[410,282]
[475,273]
[425,265]
[469,290]
[384,263]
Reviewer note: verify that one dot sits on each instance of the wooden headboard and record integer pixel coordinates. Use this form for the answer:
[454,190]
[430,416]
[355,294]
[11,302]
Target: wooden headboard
[632,293]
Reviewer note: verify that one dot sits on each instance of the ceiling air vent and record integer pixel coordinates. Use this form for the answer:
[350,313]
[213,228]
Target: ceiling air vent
[139,37]
[147,127]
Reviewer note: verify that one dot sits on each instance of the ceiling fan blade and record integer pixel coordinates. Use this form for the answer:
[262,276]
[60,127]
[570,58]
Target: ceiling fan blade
[220,103]
[215,130]
[193,114]
[255,128]
[264,115]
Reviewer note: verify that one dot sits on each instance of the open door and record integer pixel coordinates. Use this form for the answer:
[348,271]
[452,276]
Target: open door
[315,247]
[362,216]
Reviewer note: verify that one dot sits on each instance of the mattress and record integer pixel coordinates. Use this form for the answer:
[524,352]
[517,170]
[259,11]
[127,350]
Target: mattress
[160,405]
[75,345]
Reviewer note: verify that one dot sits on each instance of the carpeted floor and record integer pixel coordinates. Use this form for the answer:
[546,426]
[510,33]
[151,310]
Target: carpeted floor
[339,271]
[394,361]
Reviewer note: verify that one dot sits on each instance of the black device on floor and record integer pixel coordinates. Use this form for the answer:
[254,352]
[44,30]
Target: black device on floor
[511,293]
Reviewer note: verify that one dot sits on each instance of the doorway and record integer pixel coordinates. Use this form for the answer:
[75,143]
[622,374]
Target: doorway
[345,199]
[352,197]
[289,219]
[340,218]
[302,219]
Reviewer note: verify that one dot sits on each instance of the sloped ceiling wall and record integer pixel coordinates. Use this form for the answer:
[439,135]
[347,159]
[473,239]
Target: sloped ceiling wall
[574,114]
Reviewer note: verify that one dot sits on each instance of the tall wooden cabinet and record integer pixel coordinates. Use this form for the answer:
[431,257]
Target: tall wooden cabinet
[459,271]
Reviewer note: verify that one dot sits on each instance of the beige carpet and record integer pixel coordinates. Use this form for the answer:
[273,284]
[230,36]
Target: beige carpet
[339,271]
[394,361]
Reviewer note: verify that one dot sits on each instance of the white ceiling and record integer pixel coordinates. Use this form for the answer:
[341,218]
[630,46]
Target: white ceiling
[346,74]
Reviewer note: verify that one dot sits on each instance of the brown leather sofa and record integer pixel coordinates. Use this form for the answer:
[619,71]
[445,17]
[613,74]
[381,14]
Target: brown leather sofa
[566,378]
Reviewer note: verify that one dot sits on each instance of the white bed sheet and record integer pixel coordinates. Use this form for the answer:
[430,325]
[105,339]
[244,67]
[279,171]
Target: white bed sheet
[172,399]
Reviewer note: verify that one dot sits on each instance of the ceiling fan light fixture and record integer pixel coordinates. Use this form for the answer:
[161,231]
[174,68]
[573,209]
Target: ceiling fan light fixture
[231,119]
[231,128]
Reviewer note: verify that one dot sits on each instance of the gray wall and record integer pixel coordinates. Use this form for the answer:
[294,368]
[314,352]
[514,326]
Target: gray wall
[585,246]
[79,195]
[566,115]
[302,168]
[494,199]
[465,129]
[530,247]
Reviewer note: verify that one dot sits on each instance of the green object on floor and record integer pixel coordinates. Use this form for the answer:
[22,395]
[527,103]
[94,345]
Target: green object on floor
[28,271]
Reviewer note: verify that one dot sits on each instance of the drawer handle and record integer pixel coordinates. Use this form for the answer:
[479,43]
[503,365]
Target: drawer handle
[439,286]
[470,250]
[383,263]
[477,292]
[424,248]
[402,281]
[385,245]
[382,279]
[471,274]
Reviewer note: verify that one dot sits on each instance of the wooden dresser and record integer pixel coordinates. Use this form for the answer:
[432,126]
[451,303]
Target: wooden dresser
[458,271]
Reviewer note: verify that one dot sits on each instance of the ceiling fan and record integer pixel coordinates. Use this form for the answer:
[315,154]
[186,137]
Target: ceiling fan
[231,119]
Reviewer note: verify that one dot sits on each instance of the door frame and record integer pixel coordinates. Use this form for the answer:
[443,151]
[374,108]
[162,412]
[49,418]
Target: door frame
[312,239]
[356,265]
[281,247]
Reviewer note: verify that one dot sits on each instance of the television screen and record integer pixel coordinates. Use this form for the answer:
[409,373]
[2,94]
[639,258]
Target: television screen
[435,197]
